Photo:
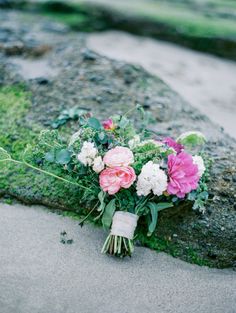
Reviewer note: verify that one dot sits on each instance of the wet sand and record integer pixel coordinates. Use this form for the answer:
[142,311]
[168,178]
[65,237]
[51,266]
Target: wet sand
[40,274]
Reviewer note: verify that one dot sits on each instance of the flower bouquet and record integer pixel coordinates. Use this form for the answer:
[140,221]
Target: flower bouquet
[124,174]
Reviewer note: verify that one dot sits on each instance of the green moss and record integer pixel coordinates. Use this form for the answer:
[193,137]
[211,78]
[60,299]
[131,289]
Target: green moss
[26,184]
[195,19]
[169,246]
[14,104]
[74,20]
[193,257]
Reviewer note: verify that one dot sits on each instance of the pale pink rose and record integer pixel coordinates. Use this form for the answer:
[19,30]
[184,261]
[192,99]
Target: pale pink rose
[118,156]
[113,179]
[108,124]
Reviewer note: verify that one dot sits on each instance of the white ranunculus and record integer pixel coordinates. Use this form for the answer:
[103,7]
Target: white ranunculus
[151,178]
[87,153]
[98,164]
[198,160]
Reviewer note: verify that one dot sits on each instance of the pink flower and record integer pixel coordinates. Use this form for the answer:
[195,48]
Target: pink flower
[173,144]
[112,179]
[183,174]
[118,156]
[108,124]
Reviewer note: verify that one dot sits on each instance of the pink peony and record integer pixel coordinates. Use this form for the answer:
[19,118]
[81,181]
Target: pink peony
[183,174]
[108,124]
[118,156]
[112,179]
[173,144]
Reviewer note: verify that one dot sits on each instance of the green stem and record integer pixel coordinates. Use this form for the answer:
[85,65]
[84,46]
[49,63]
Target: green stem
[140,206]
[47,173]
[129,111]
[90,212]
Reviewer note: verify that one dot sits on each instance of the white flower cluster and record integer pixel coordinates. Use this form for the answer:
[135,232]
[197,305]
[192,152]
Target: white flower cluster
[88,156]
[151,178]
[198,160]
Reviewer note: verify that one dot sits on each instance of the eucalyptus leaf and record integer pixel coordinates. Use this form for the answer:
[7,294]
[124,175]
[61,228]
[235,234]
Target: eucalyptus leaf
[70,114]
[63,156]
[50,156]
[101,137]
[108,214]
[94,123]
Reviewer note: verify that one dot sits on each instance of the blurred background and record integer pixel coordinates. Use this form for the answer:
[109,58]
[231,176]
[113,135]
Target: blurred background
[190,44]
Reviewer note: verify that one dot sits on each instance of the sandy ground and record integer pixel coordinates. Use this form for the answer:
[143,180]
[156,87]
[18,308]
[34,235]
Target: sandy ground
[38,274]
[206,82]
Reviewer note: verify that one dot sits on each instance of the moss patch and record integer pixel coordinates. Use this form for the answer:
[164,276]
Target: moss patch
[15,103]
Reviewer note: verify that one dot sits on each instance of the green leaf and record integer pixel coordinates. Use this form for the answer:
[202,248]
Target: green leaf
[4,155]
[70,114]
[108,214]
[63,156]
[164,205]
[94,123]
[50,156]
[154,215]
[154,209]
[192,196]
[101,137]
[59,122]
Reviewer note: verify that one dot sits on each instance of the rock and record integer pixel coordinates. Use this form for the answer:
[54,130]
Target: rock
[100,84]
[42,81]
[88,55]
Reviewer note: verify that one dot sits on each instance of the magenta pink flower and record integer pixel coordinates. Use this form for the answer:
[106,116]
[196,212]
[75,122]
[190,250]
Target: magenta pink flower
[118,156]
[183,174]
[113,179]
[173,144]
[108,124]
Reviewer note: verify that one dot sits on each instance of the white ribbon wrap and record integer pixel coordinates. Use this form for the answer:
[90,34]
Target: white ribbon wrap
[124,224]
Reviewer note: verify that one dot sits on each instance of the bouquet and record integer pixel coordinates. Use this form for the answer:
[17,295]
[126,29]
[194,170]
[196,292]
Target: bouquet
[125,173]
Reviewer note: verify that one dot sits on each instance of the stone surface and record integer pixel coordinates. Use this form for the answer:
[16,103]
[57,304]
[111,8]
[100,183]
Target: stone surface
[40,274]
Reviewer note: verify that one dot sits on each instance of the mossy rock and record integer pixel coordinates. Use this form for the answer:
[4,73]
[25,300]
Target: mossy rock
[207,26]
[105,87]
